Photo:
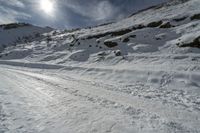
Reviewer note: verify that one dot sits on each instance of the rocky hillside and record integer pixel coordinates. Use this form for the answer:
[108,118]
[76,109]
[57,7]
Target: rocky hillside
[149,42]
[168,27]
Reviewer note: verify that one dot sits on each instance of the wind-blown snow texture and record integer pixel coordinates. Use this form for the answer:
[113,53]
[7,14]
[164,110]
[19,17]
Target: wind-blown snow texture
[140,74]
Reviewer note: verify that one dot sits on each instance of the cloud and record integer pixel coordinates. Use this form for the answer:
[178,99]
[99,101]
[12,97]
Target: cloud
[14,3]
[9,15]
[94,10]
[71,13]
[104,10]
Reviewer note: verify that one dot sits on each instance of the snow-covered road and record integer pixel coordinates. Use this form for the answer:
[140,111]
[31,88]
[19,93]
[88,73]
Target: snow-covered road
[32,101]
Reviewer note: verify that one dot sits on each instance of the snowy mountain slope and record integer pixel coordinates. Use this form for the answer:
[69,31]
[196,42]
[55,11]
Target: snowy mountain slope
[12,34]
[164,37]
[172,20]
[146,65]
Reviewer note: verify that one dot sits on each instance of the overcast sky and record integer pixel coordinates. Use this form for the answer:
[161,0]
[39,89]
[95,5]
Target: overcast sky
[69,13]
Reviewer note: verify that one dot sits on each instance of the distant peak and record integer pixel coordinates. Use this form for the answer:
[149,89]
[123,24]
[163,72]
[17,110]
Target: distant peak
[14,25]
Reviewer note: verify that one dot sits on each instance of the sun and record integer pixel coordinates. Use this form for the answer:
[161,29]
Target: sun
[47,6]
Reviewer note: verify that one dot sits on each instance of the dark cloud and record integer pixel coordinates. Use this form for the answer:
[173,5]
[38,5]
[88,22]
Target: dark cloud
[70,13]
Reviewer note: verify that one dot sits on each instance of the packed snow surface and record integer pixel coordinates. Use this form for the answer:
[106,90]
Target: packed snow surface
[141,74]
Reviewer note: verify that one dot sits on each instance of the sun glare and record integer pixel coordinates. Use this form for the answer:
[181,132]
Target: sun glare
[47,6]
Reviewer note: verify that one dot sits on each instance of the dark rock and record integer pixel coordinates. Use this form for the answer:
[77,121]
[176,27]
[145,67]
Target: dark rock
[140,26]
[180,19]
[71,45]
[166,25]
[154,24]
[158,38]
[121,32]
[98,36]
[196,16]
[132,36]
[110,44]
[112,33]
[118,53]
[126,40]
[195,43]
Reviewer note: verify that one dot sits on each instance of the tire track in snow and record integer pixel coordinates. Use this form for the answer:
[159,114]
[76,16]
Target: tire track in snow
[170,113]
[66,115]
